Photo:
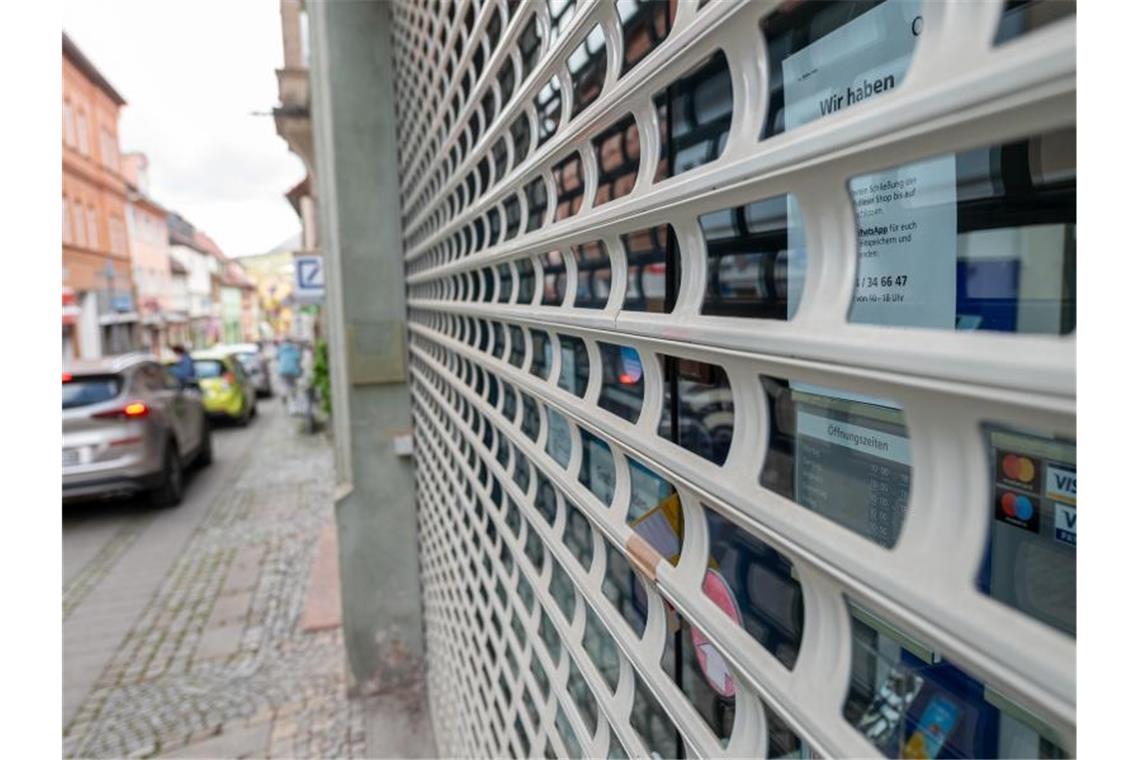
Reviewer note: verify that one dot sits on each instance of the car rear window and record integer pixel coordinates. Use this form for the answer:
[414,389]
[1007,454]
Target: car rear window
[90,389]
[207,368]
[248,361]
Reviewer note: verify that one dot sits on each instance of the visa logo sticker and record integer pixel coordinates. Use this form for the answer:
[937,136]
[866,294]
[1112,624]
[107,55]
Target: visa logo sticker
[1061,484]
[1065,524]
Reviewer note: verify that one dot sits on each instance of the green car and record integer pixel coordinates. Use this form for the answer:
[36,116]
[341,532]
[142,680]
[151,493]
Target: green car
[227,391]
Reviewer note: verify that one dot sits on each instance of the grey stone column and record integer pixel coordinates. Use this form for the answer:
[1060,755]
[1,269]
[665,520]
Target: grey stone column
[355,128]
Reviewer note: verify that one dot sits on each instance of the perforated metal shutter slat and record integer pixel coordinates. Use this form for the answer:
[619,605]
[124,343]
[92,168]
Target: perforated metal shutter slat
[959,92]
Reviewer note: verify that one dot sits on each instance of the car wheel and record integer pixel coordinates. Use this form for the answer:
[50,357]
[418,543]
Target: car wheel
[206,448]
[169,493]
[243,420]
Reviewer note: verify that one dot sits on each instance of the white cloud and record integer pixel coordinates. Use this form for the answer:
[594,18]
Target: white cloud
[192,73]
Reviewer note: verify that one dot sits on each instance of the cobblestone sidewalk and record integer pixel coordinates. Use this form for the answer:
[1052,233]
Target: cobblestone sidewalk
[217,664]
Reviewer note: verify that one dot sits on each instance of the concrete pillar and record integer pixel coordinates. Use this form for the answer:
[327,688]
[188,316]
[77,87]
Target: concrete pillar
[355,129]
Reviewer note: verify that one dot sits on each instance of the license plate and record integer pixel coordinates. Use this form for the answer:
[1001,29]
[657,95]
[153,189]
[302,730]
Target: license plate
[70,457]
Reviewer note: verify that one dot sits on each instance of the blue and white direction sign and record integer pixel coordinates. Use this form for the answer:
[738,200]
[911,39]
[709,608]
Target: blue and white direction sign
[309,281]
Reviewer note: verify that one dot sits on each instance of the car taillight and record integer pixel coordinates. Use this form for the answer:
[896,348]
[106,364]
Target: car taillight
[132,411]
[67,377]
[230,378]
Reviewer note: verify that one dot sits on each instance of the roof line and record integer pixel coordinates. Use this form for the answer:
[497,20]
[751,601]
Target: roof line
[84,64]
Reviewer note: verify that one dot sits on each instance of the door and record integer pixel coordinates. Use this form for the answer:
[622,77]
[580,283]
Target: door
[176,404]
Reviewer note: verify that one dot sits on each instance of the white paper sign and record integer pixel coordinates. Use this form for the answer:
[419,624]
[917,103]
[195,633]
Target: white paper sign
[907,216]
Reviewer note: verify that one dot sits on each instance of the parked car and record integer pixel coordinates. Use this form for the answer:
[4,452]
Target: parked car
[129,427]
[254,364]
[226,388]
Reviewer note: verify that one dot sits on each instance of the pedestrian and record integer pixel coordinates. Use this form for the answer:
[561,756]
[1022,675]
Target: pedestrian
[183,367]
[288,367]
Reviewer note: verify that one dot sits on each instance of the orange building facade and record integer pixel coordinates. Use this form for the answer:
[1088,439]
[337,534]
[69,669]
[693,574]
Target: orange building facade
[100,314]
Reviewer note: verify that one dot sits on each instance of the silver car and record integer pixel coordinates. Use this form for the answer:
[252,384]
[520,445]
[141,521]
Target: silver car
[130,427]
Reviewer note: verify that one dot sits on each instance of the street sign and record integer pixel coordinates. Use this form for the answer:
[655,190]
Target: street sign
[309,279]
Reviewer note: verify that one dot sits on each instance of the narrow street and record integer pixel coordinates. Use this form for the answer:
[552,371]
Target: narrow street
[186,631]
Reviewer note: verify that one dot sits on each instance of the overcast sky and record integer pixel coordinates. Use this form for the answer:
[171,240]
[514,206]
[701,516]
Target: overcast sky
[192,72]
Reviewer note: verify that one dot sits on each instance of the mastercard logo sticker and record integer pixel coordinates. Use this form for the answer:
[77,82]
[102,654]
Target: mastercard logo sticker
[1016,505]
[1016,509]
[1019,468]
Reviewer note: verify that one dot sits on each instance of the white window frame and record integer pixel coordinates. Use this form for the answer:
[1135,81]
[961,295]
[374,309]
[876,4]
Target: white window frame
[68,123]
[80,229]
[93,228]
[66,230]
[84,136]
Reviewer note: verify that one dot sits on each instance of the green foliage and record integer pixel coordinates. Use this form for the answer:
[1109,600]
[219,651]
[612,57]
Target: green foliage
[321,380]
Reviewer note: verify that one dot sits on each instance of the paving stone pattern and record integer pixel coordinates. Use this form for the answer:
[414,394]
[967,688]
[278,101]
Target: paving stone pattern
[217,665]
[95,570]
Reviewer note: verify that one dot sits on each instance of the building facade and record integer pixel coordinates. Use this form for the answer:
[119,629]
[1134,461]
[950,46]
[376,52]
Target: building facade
[238,311]
[740,364]
[194,253]
[101,316]
[272,276]
[150,258]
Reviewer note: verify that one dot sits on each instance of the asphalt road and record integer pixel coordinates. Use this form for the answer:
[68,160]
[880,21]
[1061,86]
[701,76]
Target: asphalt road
[117,553]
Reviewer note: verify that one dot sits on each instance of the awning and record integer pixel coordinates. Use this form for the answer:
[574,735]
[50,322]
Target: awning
[119,318]
[71,310]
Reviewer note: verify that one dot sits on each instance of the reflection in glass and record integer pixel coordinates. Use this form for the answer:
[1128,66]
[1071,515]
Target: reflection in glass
[575,371]
[1020,17]
[548,104]
[513,213]
[498,343]
[530,46]
[747,273]
[569,186]
[617,151]
[624,589]
[597,471]
[602,650]
[653,725]
[578,535]
[542,355]
[536,201]
[562,589]
[566,731]
[645,24]
[756,586]
[530,417]
[706,681]
[553,279]
[622,385]
[506,283]
[593,264]
[518,348]
[651,257]
[695,113]
[558,440]
[909,701]
[510,402]
[545,498]
[520,135]
[587,65]
[583,698]
[525,271]
[701,420]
